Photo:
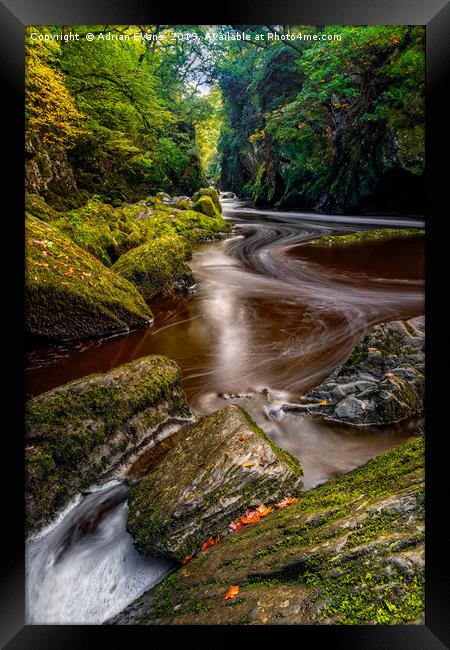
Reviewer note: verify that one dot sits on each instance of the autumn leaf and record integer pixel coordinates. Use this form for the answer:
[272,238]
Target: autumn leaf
[241,438]
[263,510]
[232,592]
[69,272]
[324,402]
[210,542]
[250,517]
[373,349]
[236,525]
[286,502]
[248,464]
[390,374]
[187,559]
[394,39]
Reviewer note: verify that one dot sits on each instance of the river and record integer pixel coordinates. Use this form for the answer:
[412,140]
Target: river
[273,316]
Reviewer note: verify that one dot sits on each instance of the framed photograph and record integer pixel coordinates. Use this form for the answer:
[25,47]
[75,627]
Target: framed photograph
[219,427]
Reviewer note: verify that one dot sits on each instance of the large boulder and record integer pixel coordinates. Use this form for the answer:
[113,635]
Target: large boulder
[206,206]
[349,552]
[91,429]
[212,193]
[157,266]
[224,465]
[70,294]
[382,381]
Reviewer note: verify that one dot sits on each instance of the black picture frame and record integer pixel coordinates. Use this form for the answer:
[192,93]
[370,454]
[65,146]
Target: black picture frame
[435,14]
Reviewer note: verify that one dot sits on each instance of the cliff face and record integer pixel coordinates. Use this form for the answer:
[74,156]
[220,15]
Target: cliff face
[49,173]
[335,129]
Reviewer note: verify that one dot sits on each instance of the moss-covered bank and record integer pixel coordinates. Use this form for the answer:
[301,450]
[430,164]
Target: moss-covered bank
[70,294]
[349,552]
[84,431]
[365,235]
[108,232]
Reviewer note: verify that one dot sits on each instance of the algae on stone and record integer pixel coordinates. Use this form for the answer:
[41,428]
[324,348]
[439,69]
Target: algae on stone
[157,266]
[348,552]
[87,429]
[210,192]
[223,465]
[70,294]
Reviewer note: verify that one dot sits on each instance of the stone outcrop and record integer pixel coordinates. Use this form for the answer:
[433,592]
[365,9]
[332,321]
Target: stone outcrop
[157,266]
[69,294]
[223,465]
[348,552]
[90,430]
[382,381]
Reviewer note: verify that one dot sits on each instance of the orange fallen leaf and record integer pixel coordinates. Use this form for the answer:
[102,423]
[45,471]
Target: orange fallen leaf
[248,464]
[236,525]
[241,438]
[286,502]
[232,592]
[250,517]
[373,349]
[394,39]
[69,272]
[187,559]
[264,510]
[324,402]
[210,542]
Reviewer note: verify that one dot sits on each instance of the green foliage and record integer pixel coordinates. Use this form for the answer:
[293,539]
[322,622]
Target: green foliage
[323,123]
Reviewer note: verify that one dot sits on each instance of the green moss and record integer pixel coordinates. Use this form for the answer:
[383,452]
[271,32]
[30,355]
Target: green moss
[67,424]
[206,206]
[70,294]
[183,204]
[154,267]
[333,552]
[365,235]
[212,193]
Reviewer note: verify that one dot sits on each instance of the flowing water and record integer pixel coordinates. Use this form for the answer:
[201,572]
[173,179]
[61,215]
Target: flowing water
[273,316]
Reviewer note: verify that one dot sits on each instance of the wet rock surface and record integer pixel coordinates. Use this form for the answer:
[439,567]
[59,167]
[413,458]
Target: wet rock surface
[382,381]
[223,465]
[348,552]
[90,430]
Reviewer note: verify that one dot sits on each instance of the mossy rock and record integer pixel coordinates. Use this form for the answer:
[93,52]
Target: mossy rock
[223,465]
[206,206]
[365,235]
[213,195]
[69,294]
[184,204]
[84,432]
[36,206]
[157,266]
[350,552]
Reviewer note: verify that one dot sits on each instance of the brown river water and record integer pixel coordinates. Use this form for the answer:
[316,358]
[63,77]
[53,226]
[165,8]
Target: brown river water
[271,312]
[273,316]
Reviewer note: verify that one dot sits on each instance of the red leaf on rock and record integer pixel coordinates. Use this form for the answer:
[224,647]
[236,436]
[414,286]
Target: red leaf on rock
[210,542]
[187,559]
